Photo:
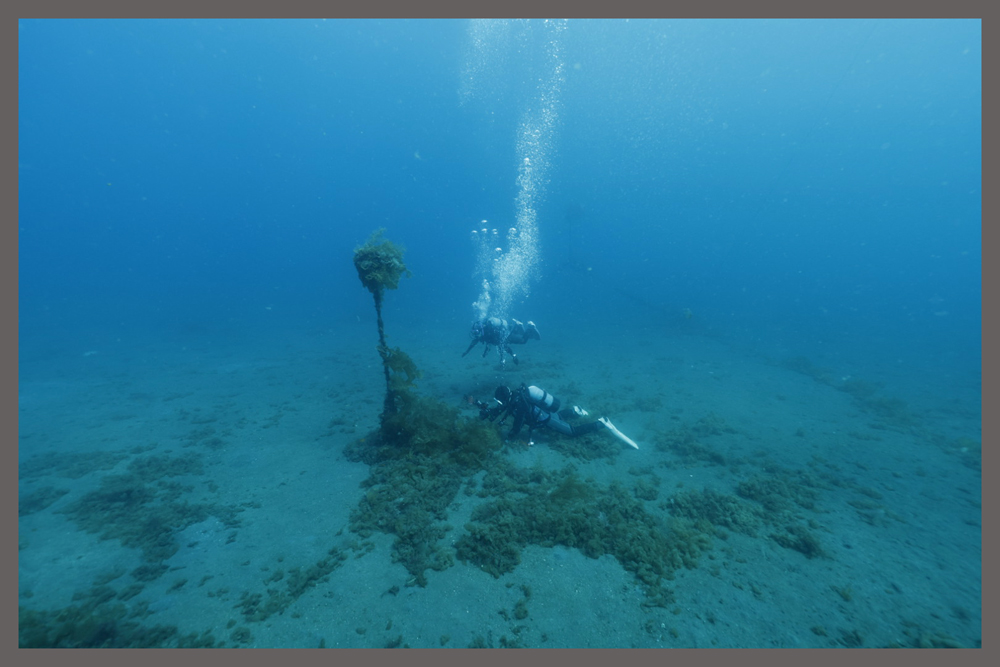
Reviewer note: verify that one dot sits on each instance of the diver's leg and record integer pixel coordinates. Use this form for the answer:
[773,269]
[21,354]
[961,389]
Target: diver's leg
[580,429]
[557,424]
[516,334]
[511,353]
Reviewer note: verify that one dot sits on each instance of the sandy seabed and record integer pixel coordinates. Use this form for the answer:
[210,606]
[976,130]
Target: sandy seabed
[261,423]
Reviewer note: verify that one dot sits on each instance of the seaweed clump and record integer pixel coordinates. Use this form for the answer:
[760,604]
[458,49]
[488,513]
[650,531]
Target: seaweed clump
[560,508]
[587,447]
[255,608]
[778,496]
[38,500]
[420,458]
[100,620]
[685,442]
[423,449]
[717,508]
[72,465]
[380,266]
[144,511]
[781,491]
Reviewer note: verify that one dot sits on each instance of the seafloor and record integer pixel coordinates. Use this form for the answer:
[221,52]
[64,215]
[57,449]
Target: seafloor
[210,489]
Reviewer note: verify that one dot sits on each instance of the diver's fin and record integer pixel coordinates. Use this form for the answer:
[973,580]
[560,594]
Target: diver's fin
[618,434]
[531,331]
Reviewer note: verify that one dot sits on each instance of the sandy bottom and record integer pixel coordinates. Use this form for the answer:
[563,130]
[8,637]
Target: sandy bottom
[262,424]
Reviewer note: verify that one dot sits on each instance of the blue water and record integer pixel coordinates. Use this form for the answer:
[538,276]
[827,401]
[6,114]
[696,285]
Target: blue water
[805,188]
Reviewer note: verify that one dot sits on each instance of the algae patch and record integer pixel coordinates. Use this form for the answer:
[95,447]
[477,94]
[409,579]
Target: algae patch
[550,508]
[144,511]
[38,500]
[419,462]
[255,607]
[100,620]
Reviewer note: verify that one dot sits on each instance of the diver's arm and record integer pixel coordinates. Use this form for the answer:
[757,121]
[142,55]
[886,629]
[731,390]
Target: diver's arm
[516,427]
[498,410]
[491,413]
[471,345]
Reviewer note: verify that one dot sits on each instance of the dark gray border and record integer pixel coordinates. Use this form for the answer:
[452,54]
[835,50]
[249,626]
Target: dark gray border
[446,8]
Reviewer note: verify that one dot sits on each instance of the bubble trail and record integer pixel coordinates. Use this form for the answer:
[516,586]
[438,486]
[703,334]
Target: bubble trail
[508,271]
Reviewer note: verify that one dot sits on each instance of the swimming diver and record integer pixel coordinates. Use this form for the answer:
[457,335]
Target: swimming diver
[495,331]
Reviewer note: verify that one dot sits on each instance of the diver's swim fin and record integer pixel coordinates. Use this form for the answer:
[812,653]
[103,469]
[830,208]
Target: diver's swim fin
[618,434]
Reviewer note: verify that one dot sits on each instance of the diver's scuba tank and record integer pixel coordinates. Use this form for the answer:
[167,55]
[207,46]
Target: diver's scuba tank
[542,398]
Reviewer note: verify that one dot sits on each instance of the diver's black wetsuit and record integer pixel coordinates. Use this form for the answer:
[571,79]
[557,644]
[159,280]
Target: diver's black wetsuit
[534,407]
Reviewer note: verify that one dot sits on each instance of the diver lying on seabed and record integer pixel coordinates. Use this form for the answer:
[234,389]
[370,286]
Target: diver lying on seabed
[495,331]
[534,407]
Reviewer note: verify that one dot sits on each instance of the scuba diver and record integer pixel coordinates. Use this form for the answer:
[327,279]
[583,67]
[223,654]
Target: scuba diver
[534,407]
[496,331]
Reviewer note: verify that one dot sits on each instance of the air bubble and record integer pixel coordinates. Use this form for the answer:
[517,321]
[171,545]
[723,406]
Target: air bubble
[515,256]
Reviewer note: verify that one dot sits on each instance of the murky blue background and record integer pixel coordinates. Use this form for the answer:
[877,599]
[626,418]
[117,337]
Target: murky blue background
[808,182]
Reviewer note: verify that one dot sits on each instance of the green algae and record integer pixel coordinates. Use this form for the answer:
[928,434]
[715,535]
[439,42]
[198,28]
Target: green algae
[72,465]
[423,449]
[559,508]
[255,607]
[779,495]
[780,491]
[145,511]
[420,458]
[587,447]
[38,500]
[719,509]
[98,619]
[379,263]
[687,442]
[801,539]
[380,266]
